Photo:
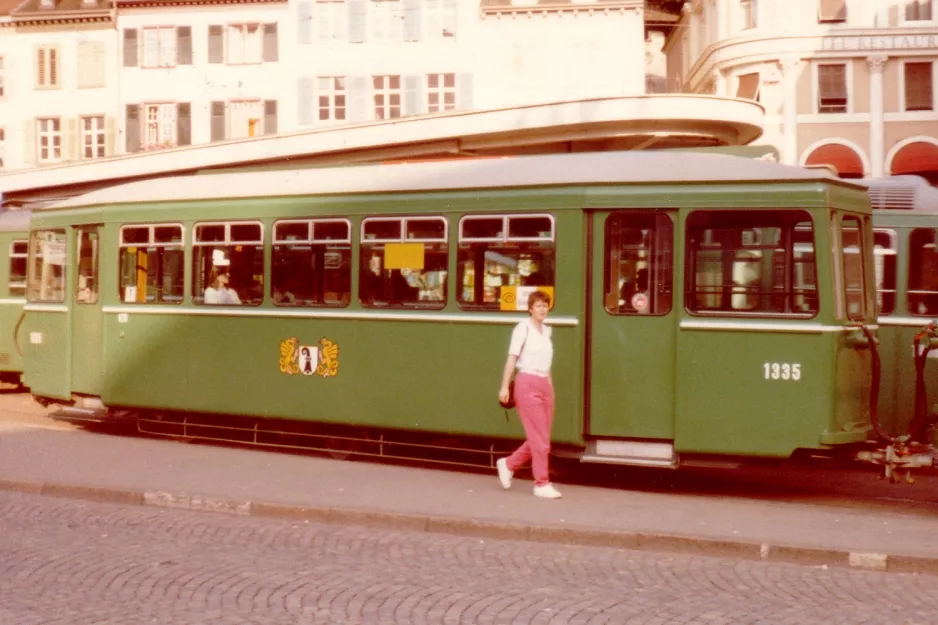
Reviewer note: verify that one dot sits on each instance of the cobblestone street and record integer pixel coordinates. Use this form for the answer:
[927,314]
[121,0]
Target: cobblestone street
[67,562]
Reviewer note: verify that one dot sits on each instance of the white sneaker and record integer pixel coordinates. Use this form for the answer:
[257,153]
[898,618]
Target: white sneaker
[547,491]
[504,473]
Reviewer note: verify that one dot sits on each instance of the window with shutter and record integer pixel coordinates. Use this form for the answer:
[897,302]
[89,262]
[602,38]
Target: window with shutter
[245,44]
[183,123]
[132,128]
[184,45]
[271,47]
[47,67]
[92,137]
[3,147]
[832,88]
[387,96]
[918,10]
[130,47]
[218,121]
[330,92]
[440,19]
[441,92]
[90,64]
[919,86]
[303,22]
[215,44]
[270,117]
[49,137]
[160,120]
[2,92]
[331,21]
[244,118]
[387,20]
[832,11]
[159,47]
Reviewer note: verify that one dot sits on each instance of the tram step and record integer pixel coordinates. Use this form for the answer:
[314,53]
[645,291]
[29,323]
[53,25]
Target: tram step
[72,414]
[638,453]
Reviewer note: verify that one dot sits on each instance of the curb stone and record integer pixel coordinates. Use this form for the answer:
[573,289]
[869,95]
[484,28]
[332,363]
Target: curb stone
[644,541]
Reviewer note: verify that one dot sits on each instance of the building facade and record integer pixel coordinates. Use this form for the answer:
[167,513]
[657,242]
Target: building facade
[86,79]
[846,83]
[56,84]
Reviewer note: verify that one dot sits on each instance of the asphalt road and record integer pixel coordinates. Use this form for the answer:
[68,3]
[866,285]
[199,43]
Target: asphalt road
[66,562]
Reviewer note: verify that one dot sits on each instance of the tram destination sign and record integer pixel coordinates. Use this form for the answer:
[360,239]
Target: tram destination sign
[879,42]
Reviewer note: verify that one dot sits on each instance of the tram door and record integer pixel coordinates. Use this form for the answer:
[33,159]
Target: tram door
[632,327]
[86,312]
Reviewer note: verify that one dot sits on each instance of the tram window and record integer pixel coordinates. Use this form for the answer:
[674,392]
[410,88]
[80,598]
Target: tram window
[228,263]
[404,262]
[312,263]
[504,258]
[151,264]
[19,252]
[884,250]
[751,263]
[854,281]
[86,290]
[45,281]
[639,264]
[923,273]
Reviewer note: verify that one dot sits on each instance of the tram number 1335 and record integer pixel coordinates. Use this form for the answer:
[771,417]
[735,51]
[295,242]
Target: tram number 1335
[782,370]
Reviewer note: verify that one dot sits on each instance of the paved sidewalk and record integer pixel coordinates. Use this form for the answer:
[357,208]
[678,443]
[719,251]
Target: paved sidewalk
[68,462]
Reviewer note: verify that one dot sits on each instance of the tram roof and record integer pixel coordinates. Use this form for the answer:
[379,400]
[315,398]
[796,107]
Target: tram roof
[609,168]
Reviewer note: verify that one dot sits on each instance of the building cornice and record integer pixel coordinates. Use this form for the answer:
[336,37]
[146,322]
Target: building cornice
[61,18]
[130,4]
[740,50]
[497,8]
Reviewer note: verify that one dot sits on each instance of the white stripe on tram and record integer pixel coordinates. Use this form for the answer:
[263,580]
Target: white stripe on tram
[766,326]
[910,322]
[215,311]
[12,301]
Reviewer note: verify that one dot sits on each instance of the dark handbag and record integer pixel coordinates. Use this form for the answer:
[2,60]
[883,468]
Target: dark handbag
[508,405]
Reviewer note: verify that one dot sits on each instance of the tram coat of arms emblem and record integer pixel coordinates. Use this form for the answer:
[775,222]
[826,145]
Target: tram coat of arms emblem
[320,359]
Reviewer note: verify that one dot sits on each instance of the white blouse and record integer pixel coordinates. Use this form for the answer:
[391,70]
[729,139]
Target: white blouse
[537,352]
[221,296]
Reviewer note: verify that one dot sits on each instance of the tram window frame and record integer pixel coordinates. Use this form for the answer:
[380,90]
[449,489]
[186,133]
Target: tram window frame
[922,302]
[792,291]
[229,255]
[38,286]
[320,250]
[653,255]
[848,273]
[379,287]
[87,249]
[131,294]
[886,272]
[480,289]
[19,265]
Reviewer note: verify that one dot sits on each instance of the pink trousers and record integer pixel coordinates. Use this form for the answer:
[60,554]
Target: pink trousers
[534,397]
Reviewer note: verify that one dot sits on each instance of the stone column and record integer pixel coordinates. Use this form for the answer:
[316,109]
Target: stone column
[789,147]
[719,83]
[723,19]
[877,118]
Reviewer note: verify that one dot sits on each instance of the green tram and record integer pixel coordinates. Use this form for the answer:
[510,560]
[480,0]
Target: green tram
[905,219]
[707,308]
[14,228]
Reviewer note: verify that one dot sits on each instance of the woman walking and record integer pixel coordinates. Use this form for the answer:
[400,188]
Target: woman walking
[531,352]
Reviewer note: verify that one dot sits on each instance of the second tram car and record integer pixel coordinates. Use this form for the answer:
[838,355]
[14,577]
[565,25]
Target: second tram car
[14,226]
[706,306]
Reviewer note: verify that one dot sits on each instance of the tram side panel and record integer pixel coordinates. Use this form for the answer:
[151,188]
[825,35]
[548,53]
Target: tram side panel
[418,370]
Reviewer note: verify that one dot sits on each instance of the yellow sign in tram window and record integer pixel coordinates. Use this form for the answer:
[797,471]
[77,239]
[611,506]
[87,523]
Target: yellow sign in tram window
[403,256]
[516,297]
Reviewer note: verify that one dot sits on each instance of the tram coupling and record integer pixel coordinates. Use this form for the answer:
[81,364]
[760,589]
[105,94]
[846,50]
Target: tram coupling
[910,450]
[901,454]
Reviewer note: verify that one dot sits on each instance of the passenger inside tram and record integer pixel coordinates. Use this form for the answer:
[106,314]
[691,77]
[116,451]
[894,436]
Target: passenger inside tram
[218,291]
